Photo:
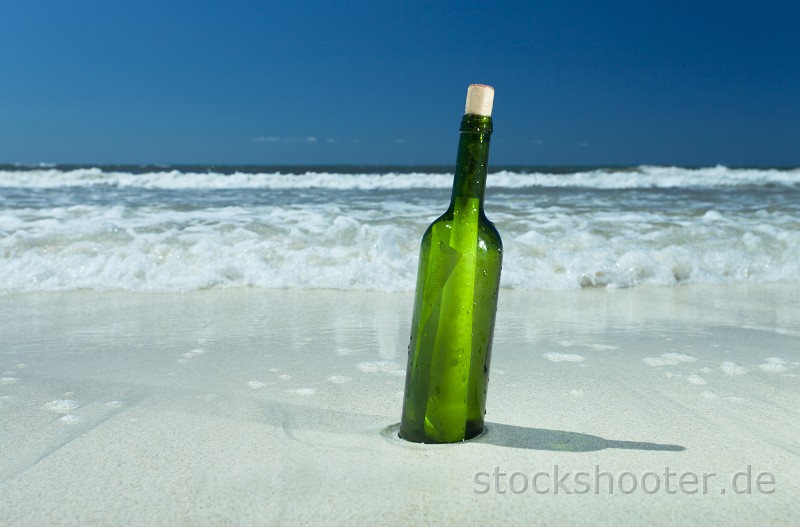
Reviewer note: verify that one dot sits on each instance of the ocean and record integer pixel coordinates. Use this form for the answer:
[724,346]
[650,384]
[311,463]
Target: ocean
[181,228]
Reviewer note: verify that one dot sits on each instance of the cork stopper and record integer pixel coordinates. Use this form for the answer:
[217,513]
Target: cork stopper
[479,100]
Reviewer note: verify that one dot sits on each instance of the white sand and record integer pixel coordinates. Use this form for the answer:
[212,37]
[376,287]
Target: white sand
[258,407]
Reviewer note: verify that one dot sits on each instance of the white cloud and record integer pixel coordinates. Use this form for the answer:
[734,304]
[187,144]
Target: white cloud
[273,139]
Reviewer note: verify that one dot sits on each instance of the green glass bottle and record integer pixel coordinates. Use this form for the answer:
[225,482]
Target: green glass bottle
[456,298]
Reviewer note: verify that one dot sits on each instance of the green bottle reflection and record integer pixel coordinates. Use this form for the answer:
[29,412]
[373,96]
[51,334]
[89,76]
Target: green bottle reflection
[456,299]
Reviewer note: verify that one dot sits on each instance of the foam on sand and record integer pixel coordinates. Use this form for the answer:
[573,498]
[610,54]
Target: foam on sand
[680,357]
[774,365]
[303,391]
[385,366]
[555,356]
[732,368]
[668,359]
[696,380]
[61,406]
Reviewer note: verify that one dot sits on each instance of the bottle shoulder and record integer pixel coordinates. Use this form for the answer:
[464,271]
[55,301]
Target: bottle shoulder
[488,231]
[443,225]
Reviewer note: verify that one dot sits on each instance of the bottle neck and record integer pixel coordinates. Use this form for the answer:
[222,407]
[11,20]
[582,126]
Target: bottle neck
[473,159]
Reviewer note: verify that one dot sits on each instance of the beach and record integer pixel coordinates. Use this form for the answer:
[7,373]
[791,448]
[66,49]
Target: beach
[245,246]
[251,406]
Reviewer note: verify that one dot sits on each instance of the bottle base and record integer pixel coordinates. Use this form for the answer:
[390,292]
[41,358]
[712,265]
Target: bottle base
[472,431]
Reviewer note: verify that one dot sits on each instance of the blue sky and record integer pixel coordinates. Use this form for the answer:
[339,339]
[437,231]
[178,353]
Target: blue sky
[383,82]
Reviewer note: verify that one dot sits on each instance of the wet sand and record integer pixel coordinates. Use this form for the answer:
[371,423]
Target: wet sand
[656,406]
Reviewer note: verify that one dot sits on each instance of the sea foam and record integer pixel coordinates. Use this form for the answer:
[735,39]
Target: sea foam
[629,178]
[87,228]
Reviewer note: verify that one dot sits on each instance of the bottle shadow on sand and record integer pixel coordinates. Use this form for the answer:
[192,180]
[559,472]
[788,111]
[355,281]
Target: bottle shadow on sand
[295,419]
[512,436]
